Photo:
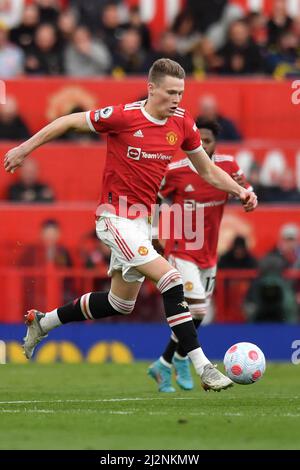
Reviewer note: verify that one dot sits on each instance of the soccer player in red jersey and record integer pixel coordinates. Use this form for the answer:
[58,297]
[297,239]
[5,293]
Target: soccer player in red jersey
[142,138]
[197,266]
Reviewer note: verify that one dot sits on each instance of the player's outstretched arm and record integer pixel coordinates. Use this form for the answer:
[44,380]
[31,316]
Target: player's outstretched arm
[221,180]
[15,157]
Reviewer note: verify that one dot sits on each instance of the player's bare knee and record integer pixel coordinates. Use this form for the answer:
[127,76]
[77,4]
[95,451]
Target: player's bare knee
[125,307]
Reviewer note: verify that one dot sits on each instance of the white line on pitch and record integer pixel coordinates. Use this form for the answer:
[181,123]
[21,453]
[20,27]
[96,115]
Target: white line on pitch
[15,402]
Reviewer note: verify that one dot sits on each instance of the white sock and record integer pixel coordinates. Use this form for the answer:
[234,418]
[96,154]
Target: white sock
[50,321]
[198,359]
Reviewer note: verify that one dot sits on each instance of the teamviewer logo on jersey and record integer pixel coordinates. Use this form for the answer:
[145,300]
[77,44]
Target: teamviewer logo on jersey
[134,153]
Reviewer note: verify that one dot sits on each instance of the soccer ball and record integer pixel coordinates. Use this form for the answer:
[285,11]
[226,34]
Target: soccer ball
[244,363]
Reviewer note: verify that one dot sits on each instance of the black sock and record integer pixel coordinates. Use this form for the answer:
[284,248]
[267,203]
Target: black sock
[179,348]
[180,319]
[94,306]
[169,351]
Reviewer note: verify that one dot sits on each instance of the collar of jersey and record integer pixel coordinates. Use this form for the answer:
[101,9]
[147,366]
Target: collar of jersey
[150,118]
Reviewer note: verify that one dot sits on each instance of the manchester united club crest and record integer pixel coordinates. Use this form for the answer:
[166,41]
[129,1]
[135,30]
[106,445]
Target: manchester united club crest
[143,251]
[188,286]
[171,138]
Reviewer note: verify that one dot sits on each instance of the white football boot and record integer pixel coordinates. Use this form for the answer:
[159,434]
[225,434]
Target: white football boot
[213,379]
[34,334]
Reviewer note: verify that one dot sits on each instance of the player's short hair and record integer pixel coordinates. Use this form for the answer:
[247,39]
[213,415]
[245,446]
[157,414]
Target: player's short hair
[213,126]
[162,67]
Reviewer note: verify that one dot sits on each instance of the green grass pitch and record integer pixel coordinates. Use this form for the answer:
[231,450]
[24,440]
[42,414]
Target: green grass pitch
[113,406]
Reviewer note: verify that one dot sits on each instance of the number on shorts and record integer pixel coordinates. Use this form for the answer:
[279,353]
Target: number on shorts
[210,282]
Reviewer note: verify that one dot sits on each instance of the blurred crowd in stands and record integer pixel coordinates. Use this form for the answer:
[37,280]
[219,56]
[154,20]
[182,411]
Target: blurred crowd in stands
[100,37]
[106,37]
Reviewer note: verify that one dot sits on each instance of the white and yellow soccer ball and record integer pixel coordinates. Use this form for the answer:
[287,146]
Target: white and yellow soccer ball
[244,363]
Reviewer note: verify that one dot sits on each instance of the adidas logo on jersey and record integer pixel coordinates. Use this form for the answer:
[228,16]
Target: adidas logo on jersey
[138,134]
[189,188]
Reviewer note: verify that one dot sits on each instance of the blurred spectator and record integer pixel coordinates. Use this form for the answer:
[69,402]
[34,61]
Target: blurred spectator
[23,34]
[206,12]
[270,297]
[11,56]
[209,110]
[204,58]
[135,22]
[130,58]
[168,48]
[217,31]
[11,12]
[253,177]
[288,247]
[93,253]
[214,17]
[12,126]
[238,256]
[91,11]
[257,23]
[283,188]
[29,189]
[240,54]
[49,11]
[285,59]
[279,21]
[45,57]
[66,24]
[46,251]
[295,28]
[86,56]
[109,28]
[187,35]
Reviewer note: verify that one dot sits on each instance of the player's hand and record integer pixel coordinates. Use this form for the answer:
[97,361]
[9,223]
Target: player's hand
[249,200]
[13,159]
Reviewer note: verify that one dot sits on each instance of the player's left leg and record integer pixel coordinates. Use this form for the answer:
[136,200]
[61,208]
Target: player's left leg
[169,283]
[198,298]
[194,293]
[176,356]
[198,288]
[180,359]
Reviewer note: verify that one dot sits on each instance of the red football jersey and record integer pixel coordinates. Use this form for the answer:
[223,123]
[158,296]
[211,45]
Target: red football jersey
[186,188]
[139,149]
